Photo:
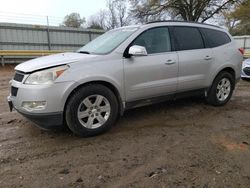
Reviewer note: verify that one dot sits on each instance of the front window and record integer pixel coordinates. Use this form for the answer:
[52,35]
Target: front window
[156,40]
[109,41]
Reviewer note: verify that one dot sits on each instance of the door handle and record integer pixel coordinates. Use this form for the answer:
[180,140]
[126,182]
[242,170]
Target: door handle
[170,62]
[208,58]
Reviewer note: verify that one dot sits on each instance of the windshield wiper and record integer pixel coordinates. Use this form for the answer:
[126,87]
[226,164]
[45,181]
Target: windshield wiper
[84,52]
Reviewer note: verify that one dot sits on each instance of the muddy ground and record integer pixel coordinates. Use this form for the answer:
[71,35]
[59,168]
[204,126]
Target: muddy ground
[183,143]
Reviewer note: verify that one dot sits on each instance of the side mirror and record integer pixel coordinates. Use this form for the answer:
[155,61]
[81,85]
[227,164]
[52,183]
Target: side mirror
[137,51]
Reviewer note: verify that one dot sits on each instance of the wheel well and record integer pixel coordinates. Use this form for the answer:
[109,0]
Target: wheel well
[108,85]
[229,70]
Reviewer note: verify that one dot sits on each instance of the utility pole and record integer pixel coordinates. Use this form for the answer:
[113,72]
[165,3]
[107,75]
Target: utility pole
[47,17]
[48,33]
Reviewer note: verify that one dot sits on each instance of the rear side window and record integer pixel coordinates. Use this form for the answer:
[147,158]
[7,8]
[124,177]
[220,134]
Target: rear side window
[156,40]
[215,38]
[188,38]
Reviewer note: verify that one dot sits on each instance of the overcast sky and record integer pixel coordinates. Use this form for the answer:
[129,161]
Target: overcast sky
[31,11]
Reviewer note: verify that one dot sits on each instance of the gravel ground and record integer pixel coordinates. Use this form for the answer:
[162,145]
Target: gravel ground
[183,143]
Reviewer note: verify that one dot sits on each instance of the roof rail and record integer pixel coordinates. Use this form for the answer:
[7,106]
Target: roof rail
[159,21]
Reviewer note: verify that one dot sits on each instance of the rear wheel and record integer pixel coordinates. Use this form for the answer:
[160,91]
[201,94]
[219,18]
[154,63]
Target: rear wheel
[91,110]
[221,90]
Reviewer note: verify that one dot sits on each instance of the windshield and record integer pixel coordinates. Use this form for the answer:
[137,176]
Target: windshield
[108,41]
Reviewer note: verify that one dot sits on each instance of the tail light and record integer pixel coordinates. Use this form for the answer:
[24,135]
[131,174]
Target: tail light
[242,50]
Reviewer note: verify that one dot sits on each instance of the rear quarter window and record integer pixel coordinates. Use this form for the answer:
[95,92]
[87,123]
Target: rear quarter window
[215,38]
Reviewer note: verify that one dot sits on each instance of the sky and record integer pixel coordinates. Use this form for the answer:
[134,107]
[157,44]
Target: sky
[35,11]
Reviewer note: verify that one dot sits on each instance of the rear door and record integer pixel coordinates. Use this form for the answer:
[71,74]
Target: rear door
[155,74]
[194,59]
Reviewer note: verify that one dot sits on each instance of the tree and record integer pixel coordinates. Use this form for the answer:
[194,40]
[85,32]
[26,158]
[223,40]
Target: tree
[95,25]
[188,10]
[98,21]
[73,20]
[115,15]
[111,12]
[228,21]
[121,16]
[237,18]
[242,16]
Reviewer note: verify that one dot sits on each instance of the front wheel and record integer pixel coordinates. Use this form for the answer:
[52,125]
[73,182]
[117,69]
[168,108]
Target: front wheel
[91,110]
[221,90]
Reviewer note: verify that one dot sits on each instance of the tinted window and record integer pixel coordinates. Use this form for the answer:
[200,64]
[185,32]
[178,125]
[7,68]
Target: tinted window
[155,40]
[188,38]
[215,38]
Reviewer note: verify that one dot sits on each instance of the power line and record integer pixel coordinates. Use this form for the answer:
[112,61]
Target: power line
[30,18]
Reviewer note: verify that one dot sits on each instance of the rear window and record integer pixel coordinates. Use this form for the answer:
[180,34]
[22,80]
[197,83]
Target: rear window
[215,38]
[188,38]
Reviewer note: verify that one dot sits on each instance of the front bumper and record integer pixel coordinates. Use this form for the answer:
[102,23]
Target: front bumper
[55,96]
[42,120]
[45,121]
[245,72]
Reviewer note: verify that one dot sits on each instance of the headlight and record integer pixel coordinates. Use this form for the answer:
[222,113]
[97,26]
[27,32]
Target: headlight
[47,76]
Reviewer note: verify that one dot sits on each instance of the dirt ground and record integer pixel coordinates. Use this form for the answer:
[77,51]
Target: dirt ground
[183,143]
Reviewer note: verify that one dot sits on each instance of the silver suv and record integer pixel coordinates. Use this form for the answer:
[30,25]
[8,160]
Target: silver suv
[126,68]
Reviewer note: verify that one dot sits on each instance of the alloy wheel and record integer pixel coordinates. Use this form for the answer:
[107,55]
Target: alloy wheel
[94,111]
[223,89]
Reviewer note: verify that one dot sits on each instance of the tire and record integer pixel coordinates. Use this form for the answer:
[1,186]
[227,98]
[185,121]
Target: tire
[220,92]
[91,110]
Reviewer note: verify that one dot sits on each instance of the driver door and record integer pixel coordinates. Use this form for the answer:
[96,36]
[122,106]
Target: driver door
[155,74]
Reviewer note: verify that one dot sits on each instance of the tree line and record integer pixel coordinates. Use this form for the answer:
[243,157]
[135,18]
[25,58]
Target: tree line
[232,14]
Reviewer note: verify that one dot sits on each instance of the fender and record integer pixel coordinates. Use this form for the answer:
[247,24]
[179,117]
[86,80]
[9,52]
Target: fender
[219,69]
[87,80]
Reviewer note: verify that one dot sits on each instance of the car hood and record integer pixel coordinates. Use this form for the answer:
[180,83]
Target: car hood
[53,60]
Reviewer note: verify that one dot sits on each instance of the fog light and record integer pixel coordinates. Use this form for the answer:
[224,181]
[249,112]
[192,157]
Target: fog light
[34,105]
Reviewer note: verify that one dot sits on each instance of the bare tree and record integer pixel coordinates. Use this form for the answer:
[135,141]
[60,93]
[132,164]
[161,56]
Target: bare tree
[73,20]
[188,10]
[98,21]
[228,21]
[112,21]
[116,15]
[121,12]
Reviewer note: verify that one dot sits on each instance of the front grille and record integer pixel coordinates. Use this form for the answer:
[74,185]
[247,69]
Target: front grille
[14,91]
[247,71]
[18,77]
